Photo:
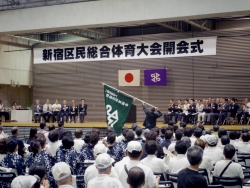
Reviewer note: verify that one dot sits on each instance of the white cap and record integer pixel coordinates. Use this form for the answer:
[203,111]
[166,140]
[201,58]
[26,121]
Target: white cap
[99,149]
[212,140]
[171,147]
[103,161]
[134,146]
[60,171]
[23,182]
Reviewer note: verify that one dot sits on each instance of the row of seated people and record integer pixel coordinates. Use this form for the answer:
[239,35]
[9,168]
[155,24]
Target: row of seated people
[134,148]
[60,111]
[207,111]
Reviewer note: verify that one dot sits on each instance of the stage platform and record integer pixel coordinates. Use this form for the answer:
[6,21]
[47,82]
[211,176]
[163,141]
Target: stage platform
[103,125]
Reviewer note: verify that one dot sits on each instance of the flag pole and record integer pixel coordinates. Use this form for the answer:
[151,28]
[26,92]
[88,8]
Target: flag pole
[127,94]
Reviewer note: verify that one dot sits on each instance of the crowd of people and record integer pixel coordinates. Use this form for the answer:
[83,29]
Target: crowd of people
[51,156]
[208,111]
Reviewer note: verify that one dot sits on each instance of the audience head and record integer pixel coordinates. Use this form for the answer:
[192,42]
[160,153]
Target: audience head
[151,135]
[51,127]
[216,128]
[178,135]
[151,147]
[208,131]
[53,135]
[33,132]
[41,138]
[212,140]
[183,124]
[175,127]
[97,131]
[232,135]
[157,130]
[87,137]
[200,143]
[14,131]
[78,133]
[136,177]
[62,174]
[134,126]
[229,151]
[193,128]
[201,126]
[67,142]
[170,128]
[163,130]
[222,132]
[26,182]
[130,136]
[168,135]
[3,148]
[134,149]
[187,132]
[35,146]
[244,130]
[38,170]
[111,138]
[110,130]
[138,132]
[225,140]
[181,147]
[94,138]
[43,126]
[11,145]
[170,123]
[103,163]
[60,124]
[198,132]
[238,134]
[145,132]
[245,137]
[124,132]
[187,141]
[99,149]
[194,155]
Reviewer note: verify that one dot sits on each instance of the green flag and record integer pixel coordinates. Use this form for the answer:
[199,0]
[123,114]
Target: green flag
[117,108]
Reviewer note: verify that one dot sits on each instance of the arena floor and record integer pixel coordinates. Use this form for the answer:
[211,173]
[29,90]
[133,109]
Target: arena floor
[104,125]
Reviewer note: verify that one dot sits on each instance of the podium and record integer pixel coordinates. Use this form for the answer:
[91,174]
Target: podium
[131,115]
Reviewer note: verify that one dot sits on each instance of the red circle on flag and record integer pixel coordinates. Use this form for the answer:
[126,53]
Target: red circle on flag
[129,77]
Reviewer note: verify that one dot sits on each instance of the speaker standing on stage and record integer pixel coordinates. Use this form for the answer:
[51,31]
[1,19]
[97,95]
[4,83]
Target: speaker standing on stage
[151,116]
[38,109]
[65,111]
[73,111]
[82,110]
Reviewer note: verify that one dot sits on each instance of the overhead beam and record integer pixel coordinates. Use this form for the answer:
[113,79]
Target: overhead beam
[25,38]
[196,25]
[76,34]
[15,44]
[106,13]
[97,32]
[169,27]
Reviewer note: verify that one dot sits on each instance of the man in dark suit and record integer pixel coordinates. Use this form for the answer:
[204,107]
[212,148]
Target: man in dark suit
[38,109]
[65,111]
[223,111]
[82,110]
[151,116]
[191,111]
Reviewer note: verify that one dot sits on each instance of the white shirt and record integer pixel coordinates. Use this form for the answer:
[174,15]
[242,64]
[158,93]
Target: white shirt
[214,153]
[2,156]
[199,107]
[193,139]
[46,106]
[2,135]
[121,163]
[91,172]
[56,107]
[47,137]
[150,180]
[234,143]
[234,170]
[247,109]
[180,163]
[206,163]
[243,147]
[78,143]
[65,186]
[53,147]
[104,180]
[1,106]
[120,138]
[156,164]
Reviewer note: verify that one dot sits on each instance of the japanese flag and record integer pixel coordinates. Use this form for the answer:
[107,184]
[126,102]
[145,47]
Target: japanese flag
[129,77]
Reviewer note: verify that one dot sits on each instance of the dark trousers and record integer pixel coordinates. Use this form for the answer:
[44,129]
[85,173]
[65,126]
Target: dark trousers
[166,118]
[6,115]
[192,118]
[37,117]
[55,114]
[171,115]
[222,117]
[64,114]
[46,114]
[82,115]
[239,115]
[180,116]
[214,117]
[73,116]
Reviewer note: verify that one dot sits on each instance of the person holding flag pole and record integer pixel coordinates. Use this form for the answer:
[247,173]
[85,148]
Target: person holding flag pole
[151,116]
[117,105]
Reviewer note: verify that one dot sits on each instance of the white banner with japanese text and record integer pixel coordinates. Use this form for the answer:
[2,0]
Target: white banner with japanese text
[128,50]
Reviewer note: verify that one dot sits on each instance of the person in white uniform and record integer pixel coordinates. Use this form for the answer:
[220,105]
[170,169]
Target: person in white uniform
[55,143]
[134,151]
[78,141]
[211,151]
[181,160]
[62,175]
[243,144]
[232,170]
[92,171]
[103,164]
